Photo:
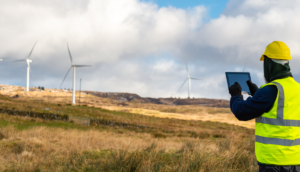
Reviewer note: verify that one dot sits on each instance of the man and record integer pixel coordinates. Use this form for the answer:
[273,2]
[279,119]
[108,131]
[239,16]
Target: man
[276,107]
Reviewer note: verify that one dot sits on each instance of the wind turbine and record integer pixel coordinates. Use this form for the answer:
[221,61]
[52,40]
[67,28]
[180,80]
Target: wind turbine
[74,67]
[188,78]
[3,59]
[28,61]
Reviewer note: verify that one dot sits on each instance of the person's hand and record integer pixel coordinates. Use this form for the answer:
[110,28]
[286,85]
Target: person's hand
[252,87]
[235,89]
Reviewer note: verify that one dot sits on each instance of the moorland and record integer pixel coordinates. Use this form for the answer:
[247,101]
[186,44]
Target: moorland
[170,137]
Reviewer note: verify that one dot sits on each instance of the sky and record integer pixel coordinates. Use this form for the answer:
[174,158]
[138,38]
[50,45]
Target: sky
[141,46]
[214,7]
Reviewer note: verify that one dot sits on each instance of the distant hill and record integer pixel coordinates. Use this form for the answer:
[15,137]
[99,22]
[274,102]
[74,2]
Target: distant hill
[129,97]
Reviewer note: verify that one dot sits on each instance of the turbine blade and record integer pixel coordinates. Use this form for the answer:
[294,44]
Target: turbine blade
[19,60]
[65,76]
[196,79]
[186,68]
[82,65]
[183,83]
[70,54]
[31,50]
[244,67]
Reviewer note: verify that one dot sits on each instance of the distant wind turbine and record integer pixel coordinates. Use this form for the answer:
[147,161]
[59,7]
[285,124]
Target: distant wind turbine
[188,78]
[3,58]
[28,61]
[73,66]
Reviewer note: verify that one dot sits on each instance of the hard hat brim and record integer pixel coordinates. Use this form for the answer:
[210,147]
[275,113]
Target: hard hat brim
[262,58]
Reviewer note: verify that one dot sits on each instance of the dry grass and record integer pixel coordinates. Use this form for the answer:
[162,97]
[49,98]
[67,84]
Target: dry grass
[191,112]
[47,95]
[55,149]
[180,138]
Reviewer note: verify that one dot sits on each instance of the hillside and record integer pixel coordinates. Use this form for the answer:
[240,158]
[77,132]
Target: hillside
[132,104]
[156,137]
[128,97]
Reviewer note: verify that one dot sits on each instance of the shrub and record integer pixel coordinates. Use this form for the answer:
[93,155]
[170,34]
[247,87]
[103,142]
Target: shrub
[2,136]
[159,135]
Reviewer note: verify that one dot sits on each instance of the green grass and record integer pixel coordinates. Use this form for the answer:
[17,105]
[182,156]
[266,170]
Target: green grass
[158,127]
[28,125]
[163,124]
[208,129]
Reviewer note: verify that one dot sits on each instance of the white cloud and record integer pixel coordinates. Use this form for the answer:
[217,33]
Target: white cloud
[141,48]
[163,66]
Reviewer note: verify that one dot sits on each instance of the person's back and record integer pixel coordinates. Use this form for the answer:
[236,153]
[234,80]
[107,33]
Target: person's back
[277,132]
[275,106]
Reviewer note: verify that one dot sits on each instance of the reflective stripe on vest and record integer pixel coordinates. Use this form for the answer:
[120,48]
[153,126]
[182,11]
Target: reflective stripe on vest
[276,141]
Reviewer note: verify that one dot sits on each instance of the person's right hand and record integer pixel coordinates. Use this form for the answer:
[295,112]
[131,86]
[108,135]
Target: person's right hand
[235,89]
[252,87]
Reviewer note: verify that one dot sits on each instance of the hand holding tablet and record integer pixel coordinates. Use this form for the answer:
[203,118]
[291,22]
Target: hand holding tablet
[252,87]
[241,78]
[235,89]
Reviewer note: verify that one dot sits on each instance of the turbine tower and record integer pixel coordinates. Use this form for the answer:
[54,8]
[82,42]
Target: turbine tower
[28,61]
[74,67]
[188,78]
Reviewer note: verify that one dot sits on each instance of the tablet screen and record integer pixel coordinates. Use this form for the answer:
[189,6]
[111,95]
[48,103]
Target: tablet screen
[240,77]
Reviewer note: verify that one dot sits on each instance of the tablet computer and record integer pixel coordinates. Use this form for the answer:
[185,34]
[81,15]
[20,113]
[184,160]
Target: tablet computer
[241,78]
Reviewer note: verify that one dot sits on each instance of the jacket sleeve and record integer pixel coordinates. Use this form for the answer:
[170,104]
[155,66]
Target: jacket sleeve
[261,102]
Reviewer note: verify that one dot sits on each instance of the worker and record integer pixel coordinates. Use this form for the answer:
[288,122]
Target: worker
[276,107]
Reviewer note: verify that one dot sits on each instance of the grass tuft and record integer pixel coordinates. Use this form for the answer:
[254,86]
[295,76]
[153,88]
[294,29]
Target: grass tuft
[2,136]
[159,135]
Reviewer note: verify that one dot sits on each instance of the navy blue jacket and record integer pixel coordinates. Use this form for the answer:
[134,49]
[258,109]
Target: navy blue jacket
[261,102]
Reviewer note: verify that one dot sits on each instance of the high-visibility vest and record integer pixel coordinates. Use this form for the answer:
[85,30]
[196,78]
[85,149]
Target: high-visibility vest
[277,132]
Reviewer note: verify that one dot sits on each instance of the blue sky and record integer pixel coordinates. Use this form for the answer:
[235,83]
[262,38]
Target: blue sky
[215,7]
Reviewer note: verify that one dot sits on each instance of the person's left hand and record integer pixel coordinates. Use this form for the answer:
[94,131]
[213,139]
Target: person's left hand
[252,87]
[235,89]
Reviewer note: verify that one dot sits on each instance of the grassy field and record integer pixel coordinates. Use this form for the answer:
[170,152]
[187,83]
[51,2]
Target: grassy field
[169,144]
[56,100]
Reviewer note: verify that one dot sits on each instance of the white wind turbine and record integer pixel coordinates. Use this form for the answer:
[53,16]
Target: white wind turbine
[28,61]
[74,67]
[2,59]
[188,78]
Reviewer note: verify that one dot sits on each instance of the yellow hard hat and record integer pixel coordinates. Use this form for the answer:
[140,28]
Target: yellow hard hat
[277,50]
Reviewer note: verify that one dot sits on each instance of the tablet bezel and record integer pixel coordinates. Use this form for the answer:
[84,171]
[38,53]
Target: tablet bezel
[226,73]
